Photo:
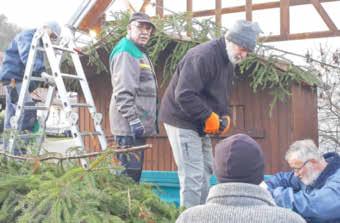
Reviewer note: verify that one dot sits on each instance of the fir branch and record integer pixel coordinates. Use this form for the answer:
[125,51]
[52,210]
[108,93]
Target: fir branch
[46,157]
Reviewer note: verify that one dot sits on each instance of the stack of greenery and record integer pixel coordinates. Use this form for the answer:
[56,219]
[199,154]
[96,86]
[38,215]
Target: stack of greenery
[49,192]
[170,43]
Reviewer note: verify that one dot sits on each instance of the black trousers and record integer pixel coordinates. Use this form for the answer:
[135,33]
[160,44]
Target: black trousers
[133,162]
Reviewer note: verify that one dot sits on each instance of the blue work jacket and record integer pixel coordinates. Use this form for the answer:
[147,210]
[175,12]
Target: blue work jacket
[318,202]
[16,56]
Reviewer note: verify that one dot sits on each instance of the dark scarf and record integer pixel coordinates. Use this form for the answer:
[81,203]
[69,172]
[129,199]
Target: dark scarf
[333,160]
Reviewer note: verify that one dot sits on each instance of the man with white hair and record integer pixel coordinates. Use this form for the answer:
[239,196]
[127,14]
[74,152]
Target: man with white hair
[196,104]
[12,73]
[312,188]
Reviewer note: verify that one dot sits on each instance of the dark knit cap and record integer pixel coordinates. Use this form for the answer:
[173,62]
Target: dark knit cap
[141,17]
[239,158]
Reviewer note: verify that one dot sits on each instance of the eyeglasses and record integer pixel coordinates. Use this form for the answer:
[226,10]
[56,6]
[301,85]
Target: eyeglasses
[297,169]
[142,25]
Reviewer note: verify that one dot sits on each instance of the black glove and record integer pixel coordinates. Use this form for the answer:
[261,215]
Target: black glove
[13,94]
[33,85]
[224,124]
[137,127]
[30,116]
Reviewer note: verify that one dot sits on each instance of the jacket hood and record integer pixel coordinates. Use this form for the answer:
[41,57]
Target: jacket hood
[230,193]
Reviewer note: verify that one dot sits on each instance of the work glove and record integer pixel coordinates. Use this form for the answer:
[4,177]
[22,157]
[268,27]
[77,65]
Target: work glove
[212,124]
[225,124]
[137,127]
[13,94]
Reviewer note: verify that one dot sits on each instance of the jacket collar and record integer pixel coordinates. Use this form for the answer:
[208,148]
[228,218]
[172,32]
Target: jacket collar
[239,194]
[222,49]
[333,160]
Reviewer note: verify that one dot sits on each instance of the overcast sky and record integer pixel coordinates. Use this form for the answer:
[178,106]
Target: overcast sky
[32,13]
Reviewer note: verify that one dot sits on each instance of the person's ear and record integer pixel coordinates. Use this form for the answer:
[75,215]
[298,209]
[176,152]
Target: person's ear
[129,27]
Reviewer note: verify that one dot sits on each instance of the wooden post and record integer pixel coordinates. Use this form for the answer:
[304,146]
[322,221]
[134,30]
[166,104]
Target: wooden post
[145,4]
[284,19]
[218,16]
[249,12]
[189,20]
[329,22]
[160,8]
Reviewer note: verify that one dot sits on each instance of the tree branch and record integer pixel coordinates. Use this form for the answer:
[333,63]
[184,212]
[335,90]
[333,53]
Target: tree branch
[47,157]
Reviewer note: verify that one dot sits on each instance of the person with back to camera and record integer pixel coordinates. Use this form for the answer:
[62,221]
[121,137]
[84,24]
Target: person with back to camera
[239,167]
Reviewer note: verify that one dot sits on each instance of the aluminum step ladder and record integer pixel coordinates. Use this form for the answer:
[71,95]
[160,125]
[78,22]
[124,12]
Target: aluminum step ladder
[53,54]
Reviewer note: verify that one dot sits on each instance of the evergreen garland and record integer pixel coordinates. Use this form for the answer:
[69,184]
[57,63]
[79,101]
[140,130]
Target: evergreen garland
[275,74]
[168,45]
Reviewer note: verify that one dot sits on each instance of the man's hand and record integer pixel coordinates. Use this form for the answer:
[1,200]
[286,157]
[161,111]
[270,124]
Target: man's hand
[225,124]
[137,127]
[212,124]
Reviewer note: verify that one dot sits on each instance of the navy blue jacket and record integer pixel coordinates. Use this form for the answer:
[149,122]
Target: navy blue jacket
[200,85]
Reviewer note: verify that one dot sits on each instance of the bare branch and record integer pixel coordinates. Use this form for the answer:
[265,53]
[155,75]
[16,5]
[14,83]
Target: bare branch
[61,158]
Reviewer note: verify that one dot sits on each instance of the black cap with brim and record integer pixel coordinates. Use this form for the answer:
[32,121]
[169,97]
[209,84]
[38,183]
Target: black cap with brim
[141,17]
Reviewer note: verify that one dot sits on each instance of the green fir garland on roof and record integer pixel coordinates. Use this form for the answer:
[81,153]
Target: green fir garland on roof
[170,43]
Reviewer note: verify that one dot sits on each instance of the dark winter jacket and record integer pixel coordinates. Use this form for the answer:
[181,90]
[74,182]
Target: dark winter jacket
[200,85]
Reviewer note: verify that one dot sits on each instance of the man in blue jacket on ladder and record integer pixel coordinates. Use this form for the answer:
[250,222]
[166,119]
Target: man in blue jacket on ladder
[12,73]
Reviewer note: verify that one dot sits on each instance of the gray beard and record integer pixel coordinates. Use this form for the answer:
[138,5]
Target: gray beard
[311,178]
[232,58]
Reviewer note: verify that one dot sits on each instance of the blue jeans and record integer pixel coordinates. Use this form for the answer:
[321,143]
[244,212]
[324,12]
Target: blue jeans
[27,119]
[133,162]
[193,157]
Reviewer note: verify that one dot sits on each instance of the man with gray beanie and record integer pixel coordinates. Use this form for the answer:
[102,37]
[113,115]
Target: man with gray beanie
[12,72]
[196,105]
[239,167]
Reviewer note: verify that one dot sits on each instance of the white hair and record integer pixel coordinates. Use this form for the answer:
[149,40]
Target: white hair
[303,150]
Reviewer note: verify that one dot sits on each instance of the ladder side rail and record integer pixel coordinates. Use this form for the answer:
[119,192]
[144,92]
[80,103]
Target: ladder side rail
[24,88]
[26,78]
[49,98]
[89,98]
[54,63]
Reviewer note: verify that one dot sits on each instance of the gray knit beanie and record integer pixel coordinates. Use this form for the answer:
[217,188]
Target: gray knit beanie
[244,33]
[54,26]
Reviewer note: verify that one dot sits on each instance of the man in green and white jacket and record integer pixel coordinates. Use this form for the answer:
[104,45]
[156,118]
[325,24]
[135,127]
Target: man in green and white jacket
[133,106]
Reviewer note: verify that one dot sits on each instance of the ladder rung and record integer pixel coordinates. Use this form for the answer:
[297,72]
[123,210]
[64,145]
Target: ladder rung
[82,105]
[38,79]
[90,134]
[35,107]
[41,48]
[30,135]
[71,76]
[63,49]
